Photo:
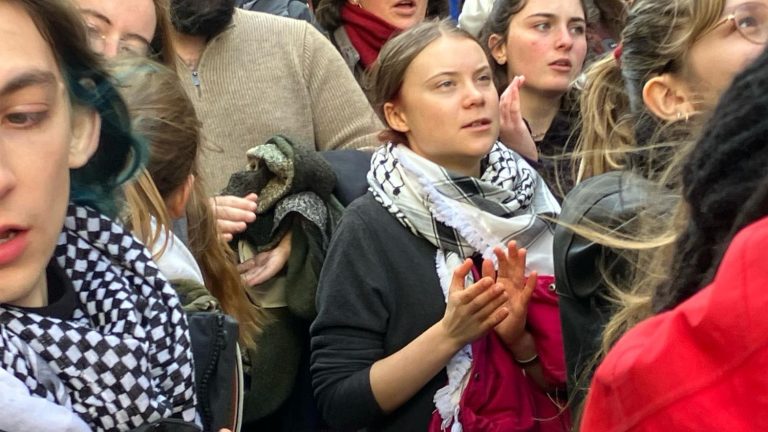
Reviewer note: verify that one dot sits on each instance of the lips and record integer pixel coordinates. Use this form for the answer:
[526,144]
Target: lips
[477,123]
[561,64]
[13,242]
[405,6]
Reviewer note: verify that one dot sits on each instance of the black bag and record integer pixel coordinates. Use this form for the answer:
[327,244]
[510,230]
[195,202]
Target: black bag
[218,369]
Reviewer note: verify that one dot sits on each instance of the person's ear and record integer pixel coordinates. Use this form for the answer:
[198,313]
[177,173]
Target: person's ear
[668,98]
[177,202]
[395,117]
[498,48]
[86,128]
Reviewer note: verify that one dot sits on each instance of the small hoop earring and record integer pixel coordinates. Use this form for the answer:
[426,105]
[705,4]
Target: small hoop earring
[681,116]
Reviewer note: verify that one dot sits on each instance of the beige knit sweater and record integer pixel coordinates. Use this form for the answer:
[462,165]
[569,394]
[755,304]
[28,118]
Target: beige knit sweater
[268,75]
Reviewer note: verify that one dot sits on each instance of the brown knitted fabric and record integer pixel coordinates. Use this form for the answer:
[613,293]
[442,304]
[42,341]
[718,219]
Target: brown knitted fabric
[268,75]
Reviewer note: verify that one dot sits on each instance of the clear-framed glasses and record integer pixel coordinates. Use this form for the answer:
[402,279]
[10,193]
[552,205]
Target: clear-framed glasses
[97,38]
[750,20]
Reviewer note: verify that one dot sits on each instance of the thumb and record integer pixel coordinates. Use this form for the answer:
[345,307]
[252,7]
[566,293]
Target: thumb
[459,275]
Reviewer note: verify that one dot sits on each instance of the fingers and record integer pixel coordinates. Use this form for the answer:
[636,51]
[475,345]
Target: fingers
[488,269]
[459,275]
[530,285]
[233,213]
[227,229]
[247,202]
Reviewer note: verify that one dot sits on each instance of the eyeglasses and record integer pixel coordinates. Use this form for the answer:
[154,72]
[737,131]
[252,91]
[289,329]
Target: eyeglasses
[750,20]
[97,38]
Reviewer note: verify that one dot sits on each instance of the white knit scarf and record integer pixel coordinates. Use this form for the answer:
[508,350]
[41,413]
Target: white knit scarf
[124,358]
[462,216]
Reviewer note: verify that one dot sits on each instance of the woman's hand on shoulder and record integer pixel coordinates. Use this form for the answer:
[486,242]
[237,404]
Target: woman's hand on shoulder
[472,311]
[513,132]
[511,276]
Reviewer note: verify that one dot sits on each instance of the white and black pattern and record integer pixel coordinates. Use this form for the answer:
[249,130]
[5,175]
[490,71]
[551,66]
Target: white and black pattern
[463,216]
[124,359]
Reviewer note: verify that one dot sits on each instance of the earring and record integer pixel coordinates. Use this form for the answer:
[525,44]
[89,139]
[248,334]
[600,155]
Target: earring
[680,116]
[357,3]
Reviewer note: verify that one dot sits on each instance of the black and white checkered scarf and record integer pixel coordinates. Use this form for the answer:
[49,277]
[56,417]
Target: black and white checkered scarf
[124,358]
[462,216]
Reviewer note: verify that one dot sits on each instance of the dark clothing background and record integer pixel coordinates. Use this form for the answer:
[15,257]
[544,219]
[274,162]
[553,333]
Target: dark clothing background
[378,291]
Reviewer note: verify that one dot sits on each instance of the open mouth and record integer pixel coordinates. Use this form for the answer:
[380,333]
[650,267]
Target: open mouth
[405,5]
[562,63]
[8,235]
[477,123]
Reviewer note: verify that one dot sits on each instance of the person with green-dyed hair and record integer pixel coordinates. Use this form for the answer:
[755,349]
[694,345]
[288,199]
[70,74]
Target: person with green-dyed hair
[92,336]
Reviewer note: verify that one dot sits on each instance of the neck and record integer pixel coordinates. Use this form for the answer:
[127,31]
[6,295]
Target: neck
[539,110]
[189,48]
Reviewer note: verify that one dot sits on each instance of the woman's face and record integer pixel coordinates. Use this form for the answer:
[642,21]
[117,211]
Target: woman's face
[119,26]
[41,138]
[723,52]
[402,14]
[546,42]
[448,107]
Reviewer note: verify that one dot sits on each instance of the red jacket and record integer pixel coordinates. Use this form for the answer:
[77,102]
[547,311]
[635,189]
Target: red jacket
[700,367]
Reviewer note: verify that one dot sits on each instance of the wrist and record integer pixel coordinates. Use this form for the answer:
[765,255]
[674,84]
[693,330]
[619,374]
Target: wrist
[444,340]
[524,348]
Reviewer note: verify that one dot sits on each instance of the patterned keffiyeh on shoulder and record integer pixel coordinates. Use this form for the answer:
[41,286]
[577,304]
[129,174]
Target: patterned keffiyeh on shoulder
[462,216]
[124,358]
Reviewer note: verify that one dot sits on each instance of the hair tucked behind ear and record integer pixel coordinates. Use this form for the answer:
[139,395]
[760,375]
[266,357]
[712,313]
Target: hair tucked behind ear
[119,154]
[165,116]
[656,39]
[724,184]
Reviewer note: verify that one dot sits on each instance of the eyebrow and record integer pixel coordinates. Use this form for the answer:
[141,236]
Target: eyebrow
[28,79]
[479,69]
[551,15]
[103,18]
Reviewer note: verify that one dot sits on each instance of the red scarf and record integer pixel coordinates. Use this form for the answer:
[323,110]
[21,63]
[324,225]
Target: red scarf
[366,31]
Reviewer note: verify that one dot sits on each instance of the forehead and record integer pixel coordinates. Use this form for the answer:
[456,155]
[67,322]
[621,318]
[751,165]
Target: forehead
[130,16]
[565,8]
[447,54]
[22,47]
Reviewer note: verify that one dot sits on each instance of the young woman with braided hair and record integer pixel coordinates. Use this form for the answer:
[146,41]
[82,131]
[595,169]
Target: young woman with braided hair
[700,363]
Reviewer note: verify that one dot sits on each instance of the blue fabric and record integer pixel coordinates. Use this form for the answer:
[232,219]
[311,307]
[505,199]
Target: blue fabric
[455,8]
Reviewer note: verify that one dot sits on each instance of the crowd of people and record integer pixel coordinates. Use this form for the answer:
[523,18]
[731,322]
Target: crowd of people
[546,217]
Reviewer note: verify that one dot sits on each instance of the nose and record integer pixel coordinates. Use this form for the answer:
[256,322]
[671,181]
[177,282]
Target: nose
[111,47]
[474,95]
[564,39]
[7,177]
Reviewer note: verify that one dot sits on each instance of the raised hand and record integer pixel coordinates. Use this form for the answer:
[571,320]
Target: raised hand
[513,132]
[472,311]
[511,277]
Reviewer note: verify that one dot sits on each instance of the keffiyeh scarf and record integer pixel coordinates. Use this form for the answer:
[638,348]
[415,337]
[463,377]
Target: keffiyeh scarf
[462,216]
[124,358]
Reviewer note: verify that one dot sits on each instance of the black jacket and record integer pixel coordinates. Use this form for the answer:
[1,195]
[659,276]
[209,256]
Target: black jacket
[611,200]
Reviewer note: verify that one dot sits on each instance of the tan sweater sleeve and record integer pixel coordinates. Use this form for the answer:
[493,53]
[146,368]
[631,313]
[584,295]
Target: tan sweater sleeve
[342,115]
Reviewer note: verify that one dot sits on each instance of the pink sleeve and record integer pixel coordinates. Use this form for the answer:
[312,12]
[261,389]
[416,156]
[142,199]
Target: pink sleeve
[544,325]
